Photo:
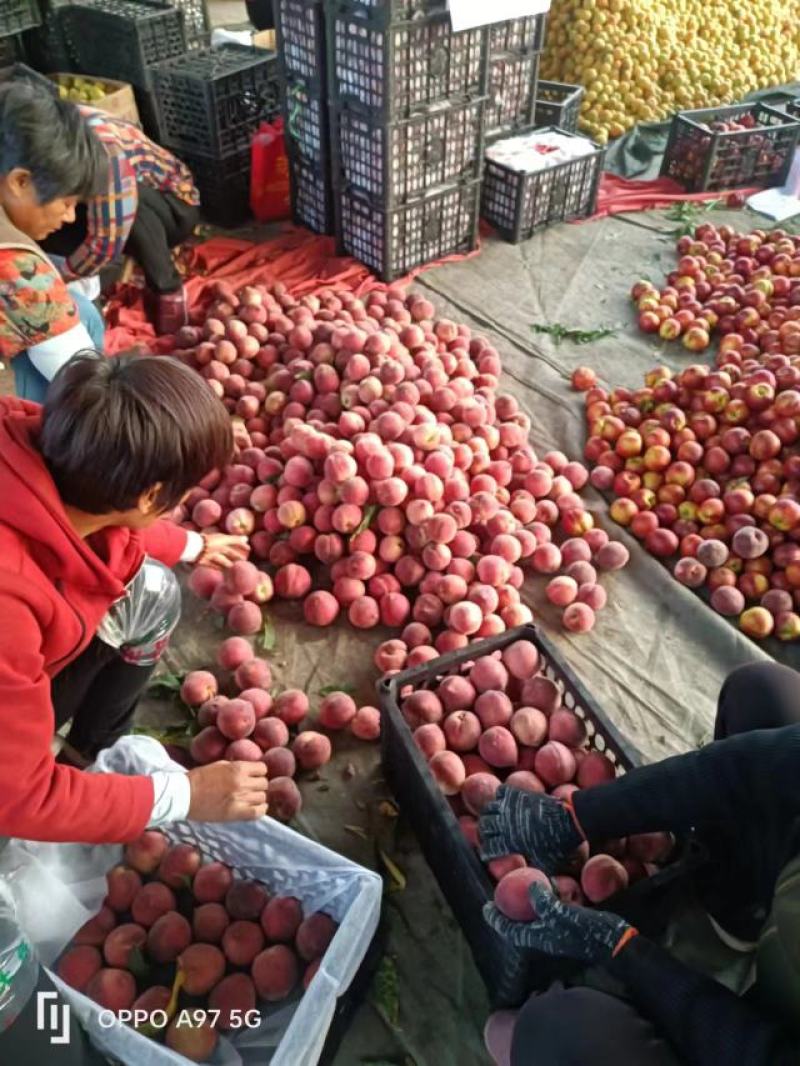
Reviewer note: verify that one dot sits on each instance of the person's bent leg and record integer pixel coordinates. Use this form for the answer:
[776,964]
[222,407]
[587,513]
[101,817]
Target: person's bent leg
[758,696]
[584,1027]
[150,241]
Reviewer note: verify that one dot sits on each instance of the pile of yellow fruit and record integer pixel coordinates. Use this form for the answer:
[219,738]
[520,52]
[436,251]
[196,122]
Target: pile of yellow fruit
[80,90]
[642,60]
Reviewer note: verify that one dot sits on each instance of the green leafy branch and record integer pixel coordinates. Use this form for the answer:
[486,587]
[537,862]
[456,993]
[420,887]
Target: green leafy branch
[561,333]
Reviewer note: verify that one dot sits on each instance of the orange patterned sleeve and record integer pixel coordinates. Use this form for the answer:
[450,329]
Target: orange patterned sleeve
[35,304]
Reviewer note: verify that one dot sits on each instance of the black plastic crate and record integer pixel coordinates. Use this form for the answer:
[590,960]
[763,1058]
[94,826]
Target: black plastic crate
[121,39]
[793,107]
[398,10]
[9,50]
[224,185]
[300,40]
[306,125]
[518,204]
[211,100]
[16,16]
[559,105]
[702,158]
[510,973]
[311,193]
[518,36]
[196,22]
[512,95]
[393,242]
[397,69]
[398,161]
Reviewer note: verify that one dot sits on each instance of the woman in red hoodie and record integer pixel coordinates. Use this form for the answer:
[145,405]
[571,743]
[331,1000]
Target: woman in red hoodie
[84,484]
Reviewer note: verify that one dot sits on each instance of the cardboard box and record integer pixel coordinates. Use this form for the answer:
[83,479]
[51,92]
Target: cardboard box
[117,100]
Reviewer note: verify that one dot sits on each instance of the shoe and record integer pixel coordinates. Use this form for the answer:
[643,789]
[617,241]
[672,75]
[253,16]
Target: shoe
[167,310]
[498,1034]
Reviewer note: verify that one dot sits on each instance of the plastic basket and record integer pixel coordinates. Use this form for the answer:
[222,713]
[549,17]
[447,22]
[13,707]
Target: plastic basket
[121,39]
[510,973]
[212,100]
[224,186]
[558,105]
[398,10]
[392,242]
[306,122]
[396,162]
[518,36]
[703,159]
[17,16]
[196,22]
[512,95]
[300,40]
[311,192]
[396,69]
[519,204]
[793,107]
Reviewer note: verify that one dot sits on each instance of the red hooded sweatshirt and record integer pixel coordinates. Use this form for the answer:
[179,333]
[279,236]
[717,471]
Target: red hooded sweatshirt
[54,590]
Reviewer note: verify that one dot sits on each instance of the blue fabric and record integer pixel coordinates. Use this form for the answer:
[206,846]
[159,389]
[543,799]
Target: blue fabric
[29,384]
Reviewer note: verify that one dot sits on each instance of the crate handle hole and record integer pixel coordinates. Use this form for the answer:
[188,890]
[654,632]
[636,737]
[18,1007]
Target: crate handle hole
[434,151]
[438,61]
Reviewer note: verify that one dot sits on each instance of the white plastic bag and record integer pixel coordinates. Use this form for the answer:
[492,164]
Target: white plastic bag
[71,879]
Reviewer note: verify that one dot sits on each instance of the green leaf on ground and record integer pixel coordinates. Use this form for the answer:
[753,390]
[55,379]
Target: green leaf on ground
[386,992]
[269,637]
[178,735]
[367,520]
[561,333]
[328,690]
[166,684]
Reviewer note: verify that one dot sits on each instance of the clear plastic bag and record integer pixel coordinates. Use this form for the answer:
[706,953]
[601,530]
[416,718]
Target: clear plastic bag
[72,878]
[141,623]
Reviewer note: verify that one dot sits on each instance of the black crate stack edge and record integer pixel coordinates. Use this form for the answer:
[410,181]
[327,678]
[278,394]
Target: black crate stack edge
[212,100]
[300,36]
[515,48]
[407,112]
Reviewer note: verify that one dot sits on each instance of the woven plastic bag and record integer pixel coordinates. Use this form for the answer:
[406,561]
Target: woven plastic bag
[71,877]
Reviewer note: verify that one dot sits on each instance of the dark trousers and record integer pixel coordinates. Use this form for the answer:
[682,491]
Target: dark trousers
[584,1027]
[99,692]
[162,222]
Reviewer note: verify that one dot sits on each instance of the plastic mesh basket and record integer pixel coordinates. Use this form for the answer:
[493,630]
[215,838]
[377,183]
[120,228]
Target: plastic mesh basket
[398,68]
[510,974]
[519,204]
[300,37]
[518,36]
[392,242]
[559,105]
[17,16]
[793,108]
[395,162]
[398,10]
[212,100]
[121,39]
[702,158]
[306,122]
[511,107]
[311,193]
[196,22]
[224,185]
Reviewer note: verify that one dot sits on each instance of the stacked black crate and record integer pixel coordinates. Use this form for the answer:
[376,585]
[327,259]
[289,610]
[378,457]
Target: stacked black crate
[300,30]
[408,99]
[122,40]
[16,16]
[212,101]
[515,48]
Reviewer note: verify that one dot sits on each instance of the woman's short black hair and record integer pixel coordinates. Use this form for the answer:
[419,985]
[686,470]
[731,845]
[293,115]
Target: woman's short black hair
[49,138]
[113,427]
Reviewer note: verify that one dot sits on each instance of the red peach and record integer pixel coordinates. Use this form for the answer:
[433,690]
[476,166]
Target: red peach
[512,894]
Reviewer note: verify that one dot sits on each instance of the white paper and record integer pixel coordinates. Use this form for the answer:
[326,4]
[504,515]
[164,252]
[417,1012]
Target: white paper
[780,204]
[467,14]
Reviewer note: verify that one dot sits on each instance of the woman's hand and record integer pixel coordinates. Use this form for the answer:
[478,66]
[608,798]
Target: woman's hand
[221,550]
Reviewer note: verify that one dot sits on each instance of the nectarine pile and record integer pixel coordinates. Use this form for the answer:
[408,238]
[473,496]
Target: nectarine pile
[704,464]
[519,732]
[234,944]
[641,60]
[387,479]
